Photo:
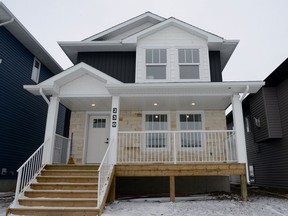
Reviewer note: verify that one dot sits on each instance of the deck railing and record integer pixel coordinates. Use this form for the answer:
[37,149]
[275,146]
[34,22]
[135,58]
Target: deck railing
[176,146]
[29,170]
[61,149]
[104,173]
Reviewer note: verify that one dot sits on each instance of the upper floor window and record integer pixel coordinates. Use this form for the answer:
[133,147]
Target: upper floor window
[156,60]
[36,70]
[189,63]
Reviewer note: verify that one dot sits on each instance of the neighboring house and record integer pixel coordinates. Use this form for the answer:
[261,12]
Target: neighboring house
[266,128]
[23,117]
[148,103]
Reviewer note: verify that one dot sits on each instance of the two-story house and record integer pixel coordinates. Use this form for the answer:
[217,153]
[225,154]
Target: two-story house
[148,105]
[23,116]
[266,129]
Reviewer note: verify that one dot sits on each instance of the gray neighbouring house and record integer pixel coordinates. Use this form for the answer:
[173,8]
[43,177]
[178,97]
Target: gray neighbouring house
[23,117]
[147,105]
[266,129]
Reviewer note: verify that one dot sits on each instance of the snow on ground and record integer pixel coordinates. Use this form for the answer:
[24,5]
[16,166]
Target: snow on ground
[5,199]
[223,206]
[202,205]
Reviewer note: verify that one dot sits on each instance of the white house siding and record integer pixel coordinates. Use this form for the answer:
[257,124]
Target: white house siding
[132,121]
[172,39]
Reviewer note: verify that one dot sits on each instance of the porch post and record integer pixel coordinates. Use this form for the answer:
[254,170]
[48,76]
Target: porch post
[114,128]
[51,123]
[239,129]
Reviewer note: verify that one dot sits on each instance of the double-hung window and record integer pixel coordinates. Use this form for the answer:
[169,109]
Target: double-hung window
[156,60]
[154,124]
[191,123]
[189,63]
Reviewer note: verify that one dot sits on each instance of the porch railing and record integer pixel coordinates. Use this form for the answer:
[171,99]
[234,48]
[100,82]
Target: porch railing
[61,149]
[29,170]
[176,146]
[104,173]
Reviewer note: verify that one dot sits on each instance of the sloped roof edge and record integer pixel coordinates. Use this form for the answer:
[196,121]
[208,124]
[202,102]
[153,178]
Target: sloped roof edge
[17,29]
[147,14]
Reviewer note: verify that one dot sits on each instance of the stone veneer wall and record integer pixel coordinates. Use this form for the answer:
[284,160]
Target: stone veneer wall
[77,127]
[132,121]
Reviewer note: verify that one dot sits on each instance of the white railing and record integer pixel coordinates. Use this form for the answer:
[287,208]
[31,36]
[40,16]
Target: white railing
[61,149]
[176,146]
[104,173]
[29,170]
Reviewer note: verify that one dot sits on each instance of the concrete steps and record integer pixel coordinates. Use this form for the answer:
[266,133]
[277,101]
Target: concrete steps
[61,190]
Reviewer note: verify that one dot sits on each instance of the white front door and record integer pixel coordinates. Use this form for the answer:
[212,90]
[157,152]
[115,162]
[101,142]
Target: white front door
[98,138]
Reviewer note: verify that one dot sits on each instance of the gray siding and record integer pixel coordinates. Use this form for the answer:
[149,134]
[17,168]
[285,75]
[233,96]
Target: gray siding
[119,65]
[264,106]
[270,158]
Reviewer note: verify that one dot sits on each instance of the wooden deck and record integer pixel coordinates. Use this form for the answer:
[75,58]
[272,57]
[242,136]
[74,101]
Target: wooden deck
[172,170]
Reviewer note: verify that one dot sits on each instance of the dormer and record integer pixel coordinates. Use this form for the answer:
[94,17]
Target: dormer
[150,48]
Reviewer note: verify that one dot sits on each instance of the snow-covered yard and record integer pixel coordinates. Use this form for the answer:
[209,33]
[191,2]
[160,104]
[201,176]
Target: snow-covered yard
[204,205]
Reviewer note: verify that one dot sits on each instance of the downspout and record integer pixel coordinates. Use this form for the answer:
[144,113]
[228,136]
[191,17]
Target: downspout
[245,93]
[7,22]
[44,96]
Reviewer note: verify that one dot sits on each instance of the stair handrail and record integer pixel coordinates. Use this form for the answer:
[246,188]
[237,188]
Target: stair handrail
[104,173]
[29,170]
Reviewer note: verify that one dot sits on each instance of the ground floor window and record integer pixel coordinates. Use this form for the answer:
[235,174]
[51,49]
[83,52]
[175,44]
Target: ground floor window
[154,124]
[191,123]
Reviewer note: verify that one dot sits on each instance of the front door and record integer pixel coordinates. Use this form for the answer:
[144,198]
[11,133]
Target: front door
[98,138]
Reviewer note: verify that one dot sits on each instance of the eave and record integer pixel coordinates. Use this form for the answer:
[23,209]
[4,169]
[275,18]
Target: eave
[24,36]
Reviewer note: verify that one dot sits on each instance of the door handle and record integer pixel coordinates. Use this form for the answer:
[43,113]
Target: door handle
[107,141]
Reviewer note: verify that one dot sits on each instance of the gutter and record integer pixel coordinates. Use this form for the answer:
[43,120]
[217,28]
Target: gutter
[44,96]
[7,22]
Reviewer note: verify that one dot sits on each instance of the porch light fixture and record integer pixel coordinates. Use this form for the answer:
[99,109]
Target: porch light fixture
[93,105]
[156,116]
[193,104]
[155,104]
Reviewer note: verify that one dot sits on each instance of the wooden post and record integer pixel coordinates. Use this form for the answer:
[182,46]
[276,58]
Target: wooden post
[112,191]
[172,188]
[244,193]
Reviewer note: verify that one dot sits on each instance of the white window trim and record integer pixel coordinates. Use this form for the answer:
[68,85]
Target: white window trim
[144,113]
[155,64]
[178,113]
[199,64]
[36,71]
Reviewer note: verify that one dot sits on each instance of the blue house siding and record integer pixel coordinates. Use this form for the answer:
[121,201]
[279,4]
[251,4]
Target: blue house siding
[22,115]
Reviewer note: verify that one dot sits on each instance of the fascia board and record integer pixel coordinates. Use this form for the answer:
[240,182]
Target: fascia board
[123,24]
[177,23]
[224,87]
[26,38]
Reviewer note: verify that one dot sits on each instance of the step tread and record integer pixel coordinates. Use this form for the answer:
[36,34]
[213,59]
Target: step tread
[53,208]
[82,177]
[61,191]
[57,199]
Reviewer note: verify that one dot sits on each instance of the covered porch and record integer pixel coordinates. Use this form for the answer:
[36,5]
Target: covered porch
[117,125]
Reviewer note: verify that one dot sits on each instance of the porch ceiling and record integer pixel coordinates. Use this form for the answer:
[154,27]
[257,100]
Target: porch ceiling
[146,103]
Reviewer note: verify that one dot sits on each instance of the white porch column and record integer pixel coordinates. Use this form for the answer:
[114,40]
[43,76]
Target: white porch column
[114,128]
[50,130]
[239,128]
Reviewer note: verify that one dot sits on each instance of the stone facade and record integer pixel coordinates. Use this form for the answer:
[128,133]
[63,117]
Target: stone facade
[132,121]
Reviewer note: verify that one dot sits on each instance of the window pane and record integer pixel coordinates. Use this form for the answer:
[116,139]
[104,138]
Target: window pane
[156,72]
[163,56]
[181,55]
[196,58]
[148,56]
[156,56]
[188,56]
[189,72]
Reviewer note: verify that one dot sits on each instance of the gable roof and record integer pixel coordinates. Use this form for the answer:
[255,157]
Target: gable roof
[119,29]
[123,37]
[23,35]
[51,85]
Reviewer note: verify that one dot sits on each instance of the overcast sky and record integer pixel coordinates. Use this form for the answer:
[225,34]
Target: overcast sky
[260,25]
